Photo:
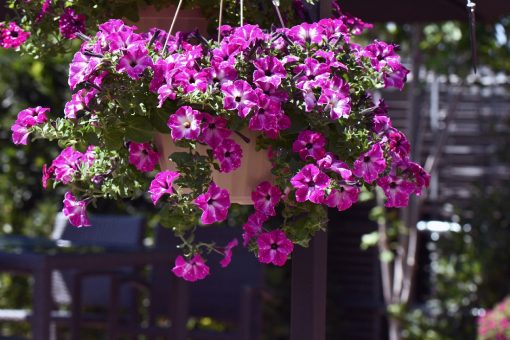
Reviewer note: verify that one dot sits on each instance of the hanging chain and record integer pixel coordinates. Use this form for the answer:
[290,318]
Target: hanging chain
[220,18]
[472,30]
[276,4]
[172,25]
[241,12]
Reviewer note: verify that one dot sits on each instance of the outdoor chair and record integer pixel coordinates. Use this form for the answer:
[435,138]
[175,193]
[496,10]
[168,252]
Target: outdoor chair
[90,290]
[229,297]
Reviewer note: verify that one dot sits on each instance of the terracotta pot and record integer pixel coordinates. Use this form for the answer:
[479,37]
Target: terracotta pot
[255,166]
[188,19]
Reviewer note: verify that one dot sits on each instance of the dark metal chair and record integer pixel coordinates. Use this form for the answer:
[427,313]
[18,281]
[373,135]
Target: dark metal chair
[90,290]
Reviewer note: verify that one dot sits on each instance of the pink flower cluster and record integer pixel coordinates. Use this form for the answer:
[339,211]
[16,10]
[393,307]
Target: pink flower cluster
[12,36]
[495,324]
[25,120]
[68,165]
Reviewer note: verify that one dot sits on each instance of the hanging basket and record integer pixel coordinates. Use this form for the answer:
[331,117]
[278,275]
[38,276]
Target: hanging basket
[255,165]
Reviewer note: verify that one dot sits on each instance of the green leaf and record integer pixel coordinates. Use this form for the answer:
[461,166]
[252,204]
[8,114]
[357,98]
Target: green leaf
[158,120]
[139,129]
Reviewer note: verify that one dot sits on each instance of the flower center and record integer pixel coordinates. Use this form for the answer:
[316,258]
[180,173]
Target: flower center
[14,34]
[393,185]
[238,99]
[192,80]
[210,201]
[132,63]
[212,126]
[186,125]
[366,159]
[228,153]
[309,146]
[341,189]
[311,184]
[274,246]
[268,197]
[268,73]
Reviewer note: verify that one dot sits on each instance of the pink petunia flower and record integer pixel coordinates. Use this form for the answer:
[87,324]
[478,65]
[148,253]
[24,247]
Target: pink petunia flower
[25,120]
[81,68]
[143,156]
[71,23]
[227,253]
[306,33]
[310,184]
[310,144]
[343,197]
[229,154]
[337,101]
[134,62]
[214,130]
[162,184]
[274,247]
[79,101]
[192,270]
[190,80]
[253,226]
[75,210]
[265,198]
[311,74]
[329,162]
[370,164]
[239,96]
[185,123]
[12,36]
[397,191]
[47,174]
[214,204]
[66,164]
[269,70]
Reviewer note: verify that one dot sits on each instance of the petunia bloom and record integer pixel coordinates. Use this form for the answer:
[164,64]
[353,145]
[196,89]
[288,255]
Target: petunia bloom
[397,191]
[214,204]
[274,247]
[12,36]
[253,226]
[75,210]
[26,119]
[310,144]
[229,154]
[185,123]
[134,62]
[227,253]
[265,198]
[192,270]
[214,130]
[162,184]
[143,156]
[310,184]
[239,96]
[71,23]
[370,164]
[343,197]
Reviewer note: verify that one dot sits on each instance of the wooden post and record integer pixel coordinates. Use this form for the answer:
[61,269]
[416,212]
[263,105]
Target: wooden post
[308,290]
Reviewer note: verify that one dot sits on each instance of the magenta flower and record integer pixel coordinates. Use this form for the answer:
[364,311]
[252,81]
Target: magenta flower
[12,36]
[329,162]
[343,197]
[336,99]
[310,144]
[306,33]
[381,55]
[221,74]
[71,23]
[75,210]
[162,184]
[397,191]
[124,40]
[227,253]
[185,123]
[265,198]
[45,8]
[192,270]
[275,94]
[66,164]
[134,62]
[190,80]
[143,156]
[311,74]
[47,174]
[399,143]
[274,247]
[229,154]
[25,120]
[214,204]
[396,78]
[239,95]
[265,117]
[79,101]
[253,226]
[421,177]
[370,164]
[81,68]
[269,70]
[381,124]
[214,130]
[310,184]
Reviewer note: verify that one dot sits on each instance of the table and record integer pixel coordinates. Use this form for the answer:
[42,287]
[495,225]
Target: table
[40,257]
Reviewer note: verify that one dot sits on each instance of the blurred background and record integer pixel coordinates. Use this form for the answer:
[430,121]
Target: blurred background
[458,123]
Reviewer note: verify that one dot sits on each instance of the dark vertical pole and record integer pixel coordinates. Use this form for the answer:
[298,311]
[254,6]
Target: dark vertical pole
[308,290]
[41,303]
